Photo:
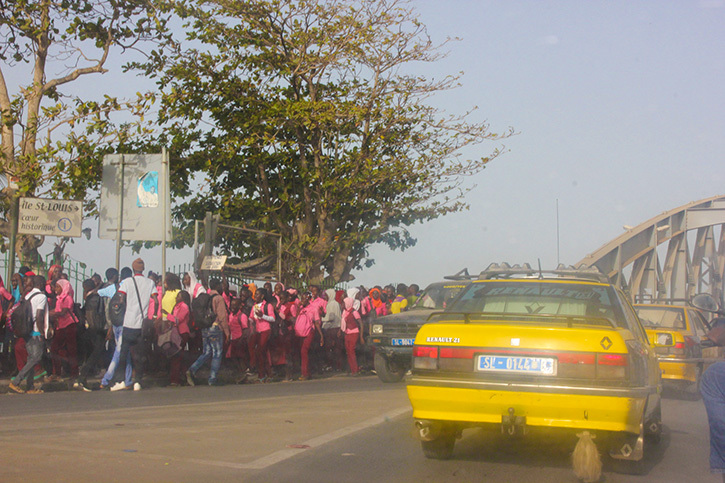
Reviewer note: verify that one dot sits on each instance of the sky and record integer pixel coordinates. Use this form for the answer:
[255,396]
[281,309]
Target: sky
[619,109]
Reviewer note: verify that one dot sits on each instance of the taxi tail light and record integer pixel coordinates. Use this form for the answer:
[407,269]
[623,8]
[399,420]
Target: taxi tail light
[456,359]
[576,365]
[612,366]
[690,344]
[679,349]
[425,357]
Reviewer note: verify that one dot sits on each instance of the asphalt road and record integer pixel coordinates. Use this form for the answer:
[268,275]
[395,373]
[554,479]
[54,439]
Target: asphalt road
[338,429]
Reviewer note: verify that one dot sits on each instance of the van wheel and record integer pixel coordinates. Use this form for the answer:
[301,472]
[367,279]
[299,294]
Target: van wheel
[388,371]
[440,448]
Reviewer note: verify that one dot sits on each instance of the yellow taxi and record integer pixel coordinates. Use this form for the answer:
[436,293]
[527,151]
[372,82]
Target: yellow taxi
[676,332]
[519,352]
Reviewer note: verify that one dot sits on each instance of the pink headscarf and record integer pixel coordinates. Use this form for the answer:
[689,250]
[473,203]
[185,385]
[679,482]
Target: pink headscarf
[53,269]
[65,289]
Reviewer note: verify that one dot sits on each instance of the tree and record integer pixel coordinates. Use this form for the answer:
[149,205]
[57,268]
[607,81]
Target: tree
[305,118]
[53,141]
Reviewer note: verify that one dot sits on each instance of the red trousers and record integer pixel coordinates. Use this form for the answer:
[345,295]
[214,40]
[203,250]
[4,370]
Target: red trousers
[304,353]
[334,346]
[262,353]
[64,348]
[252,348]
[350,344]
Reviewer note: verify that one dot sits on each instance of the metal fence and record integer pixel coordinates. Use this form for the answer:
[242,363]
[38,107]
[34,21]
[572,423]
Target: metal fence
[76,271]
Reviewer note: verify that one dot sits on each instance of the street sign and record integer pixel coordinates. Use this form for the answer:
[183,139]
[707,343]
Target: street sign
[143,201]
[215,263]
[39,216]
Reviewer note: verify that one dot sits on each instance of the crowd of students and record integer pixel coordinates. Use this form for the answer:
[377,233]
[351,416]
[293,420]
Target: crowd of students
[262,334]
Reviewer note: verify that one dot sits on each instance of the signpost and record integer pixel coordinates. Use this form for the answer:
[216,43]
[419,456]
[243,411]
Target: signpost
[214,263]
[38,216]
[135,200]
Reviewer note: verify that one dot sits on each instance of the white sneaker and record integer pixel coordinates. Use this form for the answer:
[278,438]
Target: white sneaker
[137,386]
[119,386]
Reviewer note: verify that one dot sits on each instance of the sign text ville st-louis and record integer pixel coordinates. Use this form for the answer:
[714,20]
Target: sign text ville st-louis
[38,216]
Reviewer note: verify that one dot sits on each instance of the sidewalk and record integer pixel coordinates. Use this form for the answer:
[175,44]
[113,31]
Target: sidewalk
[226,376]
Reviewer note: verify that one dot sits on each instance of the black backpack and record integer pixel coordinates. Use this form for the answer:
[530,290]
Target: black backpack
[117,309]
[94,312]
[23,318]
[202,309]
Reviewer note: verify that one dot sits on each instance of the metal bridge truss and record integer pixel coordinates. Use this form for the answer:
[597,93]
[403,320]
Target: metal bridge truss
[631,260]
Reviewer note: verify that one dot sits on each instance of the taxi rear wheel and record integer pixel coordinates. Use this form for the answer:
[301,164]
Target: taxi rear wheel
[387,370]
[440,448]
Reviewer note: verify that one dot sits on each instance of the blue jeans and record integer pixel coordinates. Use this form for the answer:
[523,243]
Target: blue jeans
[213,338]
[35,347]
[712,387]
[132,348]
[118,336]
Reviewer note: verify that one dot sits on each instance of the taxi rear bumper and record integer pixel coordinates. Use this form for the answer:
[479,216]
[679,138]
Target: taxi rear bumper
[679,369]
[472,403]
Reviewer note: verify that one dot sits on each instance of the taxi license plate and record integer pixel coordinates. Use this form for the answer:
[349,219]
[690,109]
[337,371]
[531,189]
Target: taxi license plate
[543,366]
[403,341]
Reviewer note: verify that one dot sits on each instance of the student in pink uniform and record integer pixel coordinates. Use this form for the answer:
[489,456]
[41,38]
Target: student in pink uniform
[180,318]
[227,293]
[278,289]
[237,350]
[64,347]
[308,320]
[350,326]
[288,311]
[192,285]
[317,300]
[376,302]
[260,317]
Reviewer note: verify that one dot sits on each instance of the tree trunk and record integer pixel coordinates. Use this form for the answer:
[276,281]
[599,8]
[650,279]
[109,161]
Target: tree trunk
[26,248]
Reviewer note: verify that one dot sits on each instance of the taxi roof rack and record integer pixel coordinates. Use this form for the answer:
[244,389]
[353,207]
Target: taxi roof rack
[461,275]
[504,270]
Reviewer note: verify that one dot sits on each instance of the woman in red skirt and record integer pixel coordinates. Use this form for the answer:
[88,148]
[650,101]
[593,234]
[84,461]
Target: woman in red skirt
[350,326]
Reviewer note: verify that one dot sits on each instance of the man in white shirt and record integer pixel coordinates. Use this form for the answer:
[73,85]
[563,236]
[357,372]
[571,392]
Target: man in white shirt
[35,345]
[137,291]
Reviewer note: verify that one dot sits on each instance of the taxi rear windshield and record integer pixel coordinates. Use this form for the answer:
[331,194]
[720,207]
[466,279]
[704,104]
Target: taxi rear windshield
[581,303]
[665,318]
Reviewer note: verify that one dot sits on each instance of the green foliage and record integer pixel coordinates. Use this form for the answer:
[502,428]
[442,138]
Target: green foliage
[302,118]
[53,141]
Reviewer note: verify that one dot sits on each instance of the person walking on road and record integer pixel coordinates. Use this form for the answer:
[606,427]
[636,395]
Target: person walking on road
[35,344]
[213,337]
[137,292]
[107,294]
